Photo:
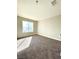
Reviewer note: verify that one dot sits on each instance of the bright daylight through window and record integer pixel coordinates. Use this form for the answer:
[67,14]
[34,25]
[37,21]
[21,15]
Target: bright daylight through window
[27,26]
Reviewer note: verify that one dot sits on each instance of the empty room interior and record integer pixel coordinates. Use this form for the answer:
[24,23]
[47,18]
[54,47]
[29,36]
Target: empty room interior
[38,29]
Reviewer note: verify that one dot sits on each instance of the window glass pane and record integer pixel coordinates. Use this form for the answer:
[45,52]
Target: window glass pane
[27,26]
[30,27]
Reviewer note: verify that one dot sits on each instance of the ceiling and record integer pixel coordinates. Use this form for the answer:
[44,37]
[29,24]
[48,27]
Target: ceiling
[44,9]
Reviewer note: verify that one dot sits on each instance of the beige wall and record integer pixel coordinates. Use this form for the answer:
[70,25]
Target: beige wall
[50,27]
[19,27]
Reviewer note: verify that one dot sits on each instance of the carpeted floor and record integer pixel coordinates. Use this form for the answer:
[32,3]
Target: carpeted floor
[41,48]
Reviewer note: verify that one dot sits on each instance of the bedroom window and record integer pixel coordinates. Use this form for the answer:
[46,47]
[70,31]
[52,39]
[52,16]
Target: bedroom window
[27,26]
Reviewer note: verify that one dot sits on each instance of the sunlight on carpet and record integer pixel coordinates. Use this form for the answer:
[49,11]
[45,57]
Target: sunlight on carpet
[23,43]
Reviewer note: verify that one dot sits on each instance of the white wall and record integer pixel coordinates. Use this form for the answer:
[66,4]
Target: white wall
[19,27]
[50,27]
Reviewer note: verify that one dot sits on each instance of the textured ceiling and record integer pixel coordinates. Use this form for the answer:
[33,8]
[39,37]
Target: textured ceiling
[44,9]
